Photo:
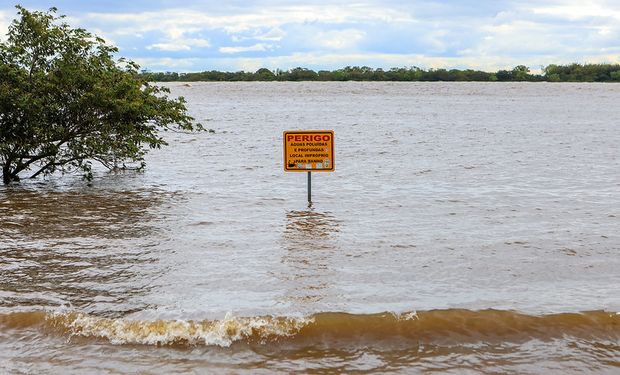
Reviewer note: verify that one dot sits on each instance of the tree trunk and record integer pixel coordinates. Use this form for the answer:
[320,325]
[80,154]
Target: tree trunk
[6,178]
[6,174]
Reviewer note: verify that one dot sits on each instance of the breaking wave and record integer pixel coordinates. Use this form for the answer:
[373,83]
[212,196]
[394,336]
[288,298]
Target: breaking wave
[453,326]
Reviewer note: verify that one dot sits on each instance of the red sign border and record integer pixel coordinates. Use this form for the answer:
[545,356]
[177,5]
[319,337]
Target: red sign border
[333,161]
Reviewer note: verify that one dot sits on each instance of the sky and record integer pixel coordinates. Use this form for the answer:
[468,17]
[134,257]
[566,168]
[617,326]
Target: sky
[185,36]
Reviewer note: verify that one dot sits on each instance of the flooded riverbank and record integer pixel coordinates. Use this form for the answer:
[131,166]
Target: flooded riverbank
[468,227]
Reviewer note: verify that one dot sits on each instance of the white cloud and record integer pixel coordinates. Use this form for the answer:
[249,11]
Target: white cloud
[340,39]
[525,36]
[273,35]
[255,48]
[180,44]
[4,25]
[331,34]
[175,23]
[578,10]
[166,63]
[171,47]
[515,37]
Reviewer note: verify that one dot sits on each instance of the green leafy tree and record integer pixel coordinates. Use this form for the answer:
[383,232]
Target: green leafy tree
[521,73]
[302,74]
[66,102]
[264,74]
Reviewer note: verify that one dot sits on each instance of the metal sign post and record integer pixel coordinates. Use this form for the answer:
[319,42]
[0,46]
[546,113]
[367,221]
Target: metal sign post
[309,188]
[309,151]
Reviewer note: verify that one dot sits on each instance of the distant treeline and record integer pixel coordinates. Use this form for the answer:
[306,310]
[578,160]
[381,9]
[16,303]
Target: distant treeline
[551,73]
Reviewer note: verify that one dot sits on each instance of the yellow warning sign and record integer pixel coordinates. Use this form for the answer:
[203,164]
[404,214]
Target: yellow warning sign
[309,150]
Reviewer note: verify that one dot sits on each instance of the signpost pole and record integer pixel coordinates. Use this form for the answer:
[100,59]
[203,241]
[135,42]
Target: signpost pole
[307,151]
[309,188]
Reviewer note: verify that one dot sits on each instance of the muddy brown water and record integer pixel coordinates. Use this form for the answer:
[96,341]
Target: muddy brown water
[468,228]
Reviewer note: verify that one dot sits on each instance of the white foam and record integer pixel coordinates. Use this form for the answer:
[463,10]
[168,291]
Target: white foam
[165,332]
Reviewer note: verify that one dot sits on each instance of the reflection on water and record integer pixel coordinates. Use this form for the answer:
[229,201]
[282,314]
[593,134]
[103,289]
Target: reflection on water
[310,242]
[81,249]
[308,225]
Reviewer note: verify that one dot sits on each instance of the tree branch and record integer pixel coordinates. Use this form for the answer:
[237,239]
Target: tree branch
[51,164]
[20,167]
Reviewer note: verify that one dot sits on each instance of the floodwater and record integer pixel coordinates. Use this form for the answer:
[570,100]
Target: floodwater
[468,228]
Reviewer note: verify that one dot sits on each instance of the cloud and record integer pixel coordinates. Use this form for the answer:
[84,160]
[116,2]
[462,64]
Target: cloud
[274,34]
[254,48]
[340,39]
[556,32]
[169,47]
[168,64]
[4,25]
[515,38]
[578,10]
[177,22]
[180,44]
[319,34]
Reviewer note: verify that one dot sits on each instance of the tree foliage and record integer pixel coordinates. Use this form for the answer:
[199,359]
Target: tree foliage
[583,73]
[66,101]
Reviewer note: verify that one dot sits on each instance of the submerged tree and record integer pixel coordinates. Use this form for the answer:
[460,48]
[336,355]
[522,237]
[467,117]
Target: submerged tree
[66,102]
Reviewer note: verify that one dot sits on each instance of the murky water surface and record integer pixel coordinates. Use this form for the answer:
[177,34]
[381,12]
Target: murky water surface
[468,228]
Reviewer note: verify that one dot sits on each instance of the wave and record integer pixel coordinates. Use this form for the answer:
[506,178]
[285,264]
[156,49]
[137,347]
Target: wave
[452,326]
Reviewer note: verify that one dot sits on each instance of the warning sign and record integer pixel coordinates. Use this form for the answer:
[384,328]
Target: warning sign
[309,150]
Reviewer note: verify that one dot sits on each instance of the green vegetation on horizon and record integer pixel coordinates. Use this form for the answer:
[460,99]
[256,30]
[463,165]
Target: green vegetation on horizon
[551,73]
